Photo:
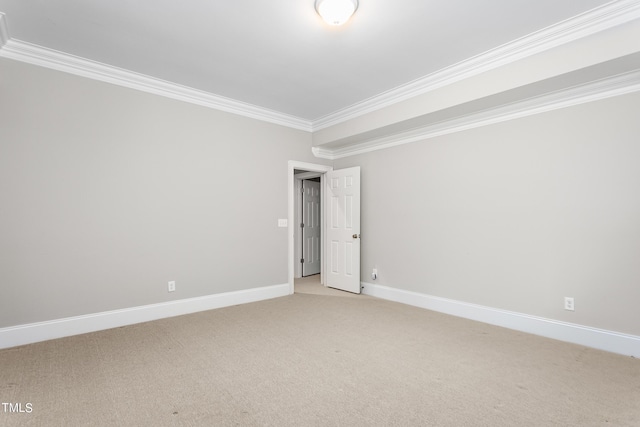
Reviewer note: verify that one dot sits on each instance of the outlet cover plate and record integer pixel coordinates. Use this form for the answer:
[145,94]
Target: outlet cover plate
[568,304]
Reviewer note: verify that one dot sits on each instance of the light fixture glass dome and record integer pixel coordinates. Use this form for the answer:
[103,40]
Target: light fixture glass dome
[336,12]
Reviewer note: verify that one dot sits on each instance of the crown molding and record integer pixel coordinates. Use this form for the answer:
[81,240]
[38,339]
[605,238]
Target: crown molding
[4,31]
[607,16]
[49,58]
[601,89]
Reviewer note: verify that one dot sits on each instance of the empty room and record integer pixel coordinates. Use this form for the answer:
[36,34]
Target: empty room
[320,212]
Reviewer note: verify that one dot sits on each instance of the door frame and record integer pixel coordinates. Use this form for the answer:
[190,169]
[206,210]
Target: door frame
[309,167]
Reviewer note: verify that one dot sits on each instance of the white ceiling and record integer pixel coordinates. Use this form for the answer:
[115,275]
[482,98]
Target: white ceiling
[278,54]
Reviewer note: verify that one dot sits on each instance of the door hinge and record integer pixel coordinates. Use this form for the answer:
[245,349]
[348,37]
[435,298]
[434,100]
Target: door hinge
[302,225]
[302,260]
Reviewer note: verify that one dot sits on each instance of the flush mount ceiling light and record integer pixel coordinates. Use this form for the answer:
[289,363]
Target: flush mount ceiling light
[336,12]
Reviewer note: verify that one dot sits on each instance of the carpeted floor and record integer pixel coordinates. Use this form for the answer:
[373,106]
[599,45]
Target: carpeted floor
[319,357]
[311,285]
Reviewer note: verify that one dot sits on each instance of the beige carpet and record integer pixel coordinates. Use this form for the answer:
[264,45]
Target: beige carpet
[311,285]
[319,360]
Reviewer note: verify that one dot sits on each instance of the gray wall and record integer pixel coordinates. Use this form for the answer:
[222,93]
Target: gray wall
[514,216]
[107,193]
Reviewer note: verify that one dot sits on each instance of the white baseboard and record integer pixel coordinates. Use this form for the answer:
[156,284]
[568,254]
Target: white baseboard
[614,342]
[42,331]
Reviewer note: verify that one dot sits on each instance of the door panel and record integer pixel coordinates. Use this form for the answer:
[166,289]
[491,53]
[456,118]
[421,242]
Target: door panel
[344,223]
[311,228]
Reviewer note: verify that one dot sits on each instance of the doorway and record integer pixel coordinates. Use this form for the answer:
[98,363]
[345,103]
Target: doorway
[304,171]
[340,259]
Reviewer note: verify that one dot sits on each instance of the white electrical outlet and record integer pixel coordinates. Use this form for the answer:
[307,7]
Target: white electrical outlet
[171,287]
[568,304]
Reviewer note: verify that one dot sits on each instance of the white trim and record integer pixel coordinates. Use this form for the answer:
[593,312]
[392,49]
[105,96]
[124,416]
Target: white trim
[4,31]
[327,153]
[310,167]
[49,58]
[583,25]
[615,342]
[607,16]
[601,89]
[42,331]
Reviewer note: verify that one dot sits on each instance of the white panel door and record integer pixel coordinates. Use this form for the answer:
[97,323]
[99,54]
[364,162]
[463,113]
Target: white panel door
[311,227]
[343,229]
